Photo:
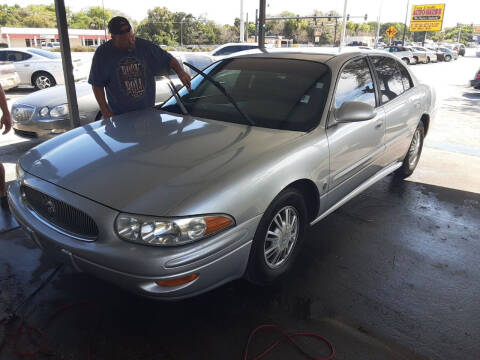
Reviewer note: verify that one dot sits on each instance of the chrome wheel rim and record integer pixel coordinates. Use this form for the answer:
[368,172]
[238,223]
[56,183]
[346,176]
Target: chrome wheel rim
[43,82]
[414,150]
[282,235]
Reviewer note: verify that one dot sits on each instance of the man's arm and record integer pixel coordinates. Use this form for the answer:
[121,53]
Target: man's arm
[6,120]
[182,75]
[102,102]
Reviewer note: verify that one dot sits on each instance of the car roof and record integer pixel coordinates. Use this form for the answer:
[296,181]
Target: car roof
[317,54]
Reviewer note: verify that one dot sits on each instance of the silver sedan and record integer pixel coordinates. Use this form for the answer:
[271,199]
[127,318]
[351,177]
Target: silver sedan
[222,182]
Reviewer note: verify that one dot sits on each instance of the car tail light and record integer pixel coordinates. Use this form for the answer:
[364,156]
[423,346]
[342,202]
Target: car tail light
[478,76]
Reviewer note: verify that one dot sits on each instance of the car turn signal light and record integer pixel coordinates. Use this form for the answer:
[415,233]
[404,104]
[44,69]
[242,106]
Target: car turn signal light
[177,282]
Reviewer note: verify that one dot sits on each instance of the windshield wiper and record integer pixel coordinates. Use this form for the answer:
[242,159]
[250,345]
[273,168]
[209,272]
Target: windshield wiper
[222,90]
[172,88]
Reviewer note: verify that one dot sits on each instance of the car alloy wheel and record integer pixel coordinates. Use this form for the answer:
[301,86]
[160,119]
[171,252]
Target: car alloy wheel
[278,238]
[448,58]
[43,82]
[413,154]
[414,150]
[281,237]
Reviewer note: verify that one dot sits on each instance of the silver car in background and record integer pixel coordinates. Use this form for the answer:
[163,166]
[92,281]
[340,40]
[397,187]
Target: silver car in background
[40,68]
[430,55]
[402,53]
[418,55]
[222,182]
[45,113]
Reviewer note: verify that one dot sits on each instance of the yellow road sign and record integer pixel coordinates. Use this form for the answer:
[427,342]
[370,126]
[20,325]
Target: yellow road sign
[391,32]
[427,17]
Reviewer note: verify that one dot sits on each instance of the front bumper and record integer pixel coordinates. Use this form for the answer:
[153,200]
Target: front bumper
[42,128]
[215,260]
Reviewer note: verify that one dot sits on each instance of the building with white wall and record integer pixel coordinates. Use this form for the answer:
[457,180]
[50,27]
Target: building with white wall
[38,37]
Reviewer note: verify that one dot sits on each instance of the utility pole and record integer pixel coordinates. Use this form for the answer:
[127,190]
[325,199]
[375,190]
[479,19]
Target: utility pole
[104,26]
[335,35]
[246,29]
[242,25]
[344,27]
[181,32]
[378,24]
[261,24]
[405,24]
[256,25]
[459,33]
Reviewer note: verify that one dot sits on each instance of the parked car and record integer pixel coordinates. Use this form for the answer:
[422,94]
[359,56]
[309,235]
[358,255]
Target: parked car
[231,48]
[45,113]
[431,56]
[8,76]
[449,54]
[419,56]
[54,44]
[459,48]
[402,53]
[476,80]
[440,54]
[224,182]
[41,68]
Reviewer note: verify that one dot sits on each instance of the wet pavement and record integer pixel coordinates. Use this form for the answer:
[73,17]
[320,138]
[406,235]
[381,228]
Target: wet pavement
[393,274]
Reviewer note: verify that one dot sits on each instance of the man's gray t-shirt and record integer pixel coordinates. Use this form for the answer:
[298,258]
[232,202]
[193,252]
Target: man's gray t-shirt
[129,76]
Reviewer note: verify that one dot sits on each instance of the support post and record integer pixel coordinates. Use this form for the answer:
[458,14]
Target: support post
[67,63]
[261,24]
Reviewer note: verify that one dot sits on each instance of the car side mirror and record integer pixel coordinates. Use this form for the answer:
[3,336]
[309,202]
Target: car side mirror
[354,111]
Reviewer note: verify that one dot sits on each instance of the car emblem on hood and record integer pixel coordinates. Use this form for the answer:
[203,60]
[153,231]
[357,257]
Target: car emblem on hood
[50,207]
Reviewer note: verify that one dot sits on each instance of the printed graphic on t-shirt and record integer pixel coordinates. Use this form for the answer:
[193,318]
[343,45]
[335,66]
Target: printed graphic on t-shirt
[131,74]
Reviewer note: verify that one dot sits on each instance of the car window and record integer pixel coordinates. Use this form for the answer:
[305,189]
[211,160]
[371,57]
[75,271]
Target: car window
[3,56]
[45,53]
[355,84]
[227,50]
[389,78]
[406,78]
[275,93]
[17,56]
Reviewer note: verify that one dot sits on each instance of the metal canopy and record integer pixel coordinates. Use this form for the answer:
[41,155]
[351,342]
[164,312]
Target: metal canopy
[67,63]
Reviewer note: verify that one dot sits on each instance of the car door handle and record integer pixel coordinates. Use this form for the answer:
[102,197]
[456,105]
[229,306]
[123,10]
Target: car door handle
[379,124]
[26,65]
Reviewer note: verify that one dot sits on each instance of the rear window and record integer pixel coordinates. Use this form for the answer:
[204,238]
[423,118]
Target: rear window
[275,93]
[45,53]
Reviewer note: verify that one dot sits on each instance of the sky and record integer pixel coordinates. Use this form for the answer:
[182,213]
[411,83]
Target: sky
[225,11]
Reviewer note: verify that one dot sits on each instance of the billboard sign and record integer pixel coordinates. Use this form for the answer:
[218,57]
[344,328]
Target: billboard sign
[427,17]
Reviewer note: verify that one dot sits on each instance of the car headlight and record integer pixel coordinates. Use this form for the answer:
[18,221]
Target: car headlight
[59,111]
[22,113]
[44,111]
[154,231]
[19,171]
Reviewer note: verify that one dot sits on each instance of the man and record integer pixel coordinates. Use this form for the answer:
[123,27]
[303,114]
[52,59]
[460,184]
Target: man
[126,67]
[7,123]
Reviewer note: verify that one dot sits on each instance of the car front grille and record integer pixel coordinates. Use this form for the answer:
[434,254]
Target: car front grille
[22,113]
[60,214]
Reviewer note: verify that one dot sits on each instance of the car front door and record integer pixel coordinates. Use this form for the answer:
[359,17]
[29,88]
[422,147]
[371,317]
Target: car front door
[399,99]
[355,147]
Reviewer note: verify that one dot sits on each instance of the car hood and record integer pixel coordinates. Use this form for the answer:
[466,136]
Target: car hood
[148,162]
[54,96]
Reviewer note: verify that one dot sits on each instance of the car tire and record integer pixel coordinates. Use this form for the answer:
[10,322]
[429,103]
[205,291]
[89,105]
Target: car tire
[98,116]
[416,60]
[272,256]
[43,80]
[406,60]
[413,154]
[448,58]
[428,59]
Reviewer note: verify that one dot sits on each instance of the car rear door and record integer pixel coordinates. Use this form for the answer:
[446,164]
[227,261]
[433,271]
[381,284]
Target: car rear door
[401,103]
[356,147]
[22,65]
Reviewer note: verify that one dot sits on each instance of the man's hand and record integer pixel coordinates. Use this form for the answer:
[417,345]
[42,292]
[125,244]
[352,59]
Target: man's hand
[7,122]
[106,113]
[185,79]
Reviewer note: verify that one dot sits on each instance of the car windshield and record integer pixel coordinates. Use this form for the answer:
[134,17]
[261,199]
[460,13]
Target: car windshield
[45,53]
[275,93]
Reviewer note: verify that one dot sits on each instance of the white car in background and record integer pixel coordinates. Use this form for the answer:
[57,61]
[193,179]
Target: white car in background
[41,68]
[231,48]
